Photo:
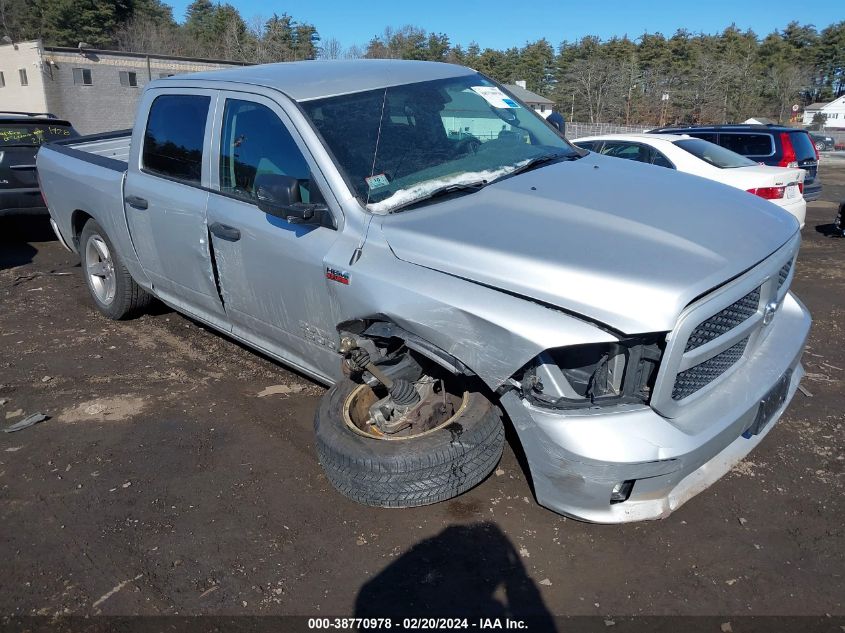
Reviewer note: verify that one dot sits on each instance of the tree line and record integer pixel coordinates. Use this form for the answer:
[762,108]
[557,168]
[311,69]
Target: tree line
[653,79]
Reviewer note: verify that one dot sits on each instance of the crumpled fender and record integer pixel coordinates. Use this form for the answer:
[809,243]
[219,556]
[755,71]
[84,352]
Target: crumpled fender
[491,332]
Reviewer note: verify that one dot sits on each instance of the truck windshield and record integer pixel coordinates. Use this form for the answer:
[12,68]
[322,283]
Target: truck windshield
[12,134]
[401,144]
[714,154]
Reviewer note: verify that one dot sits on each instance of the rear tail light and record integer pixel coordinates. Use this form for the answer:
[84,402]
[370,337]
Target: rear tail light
[789,159]
[801,187]
[769,193]
[815,149]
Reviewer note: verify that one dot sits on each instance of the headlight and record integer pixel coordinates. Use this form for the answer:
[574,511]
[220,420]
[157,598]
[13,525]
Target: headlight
[595,374]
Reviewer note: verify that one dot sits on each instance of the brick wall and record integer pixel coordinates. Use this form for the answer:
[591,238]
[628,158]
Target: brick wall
[105,105]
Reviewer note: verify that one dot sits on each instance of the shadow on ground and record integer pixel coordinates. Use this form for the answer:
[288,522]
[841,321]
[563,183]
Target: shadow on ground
[829,230]
[466,571]
[16,236]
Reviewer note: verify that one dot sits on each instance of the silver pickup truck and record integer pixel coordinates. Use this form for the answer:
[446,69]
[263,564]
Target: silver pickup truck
[413,235]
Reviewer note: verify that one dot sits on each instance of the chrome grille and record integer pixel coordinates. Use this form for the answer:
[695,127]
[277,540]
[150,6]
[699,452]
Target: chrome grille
[783,273]
[701,375]
[724,321]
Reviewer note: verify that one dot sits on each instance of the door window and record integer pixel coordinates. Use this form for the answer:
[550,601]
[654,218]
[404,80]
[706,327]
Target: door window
[747,144]
[660,160]
[174,137]
[254,142]
[710,137]
[624,149]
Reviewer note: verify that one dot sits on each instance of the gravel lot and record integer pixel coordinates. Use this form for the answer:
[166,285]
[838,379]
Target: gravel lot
[170,480]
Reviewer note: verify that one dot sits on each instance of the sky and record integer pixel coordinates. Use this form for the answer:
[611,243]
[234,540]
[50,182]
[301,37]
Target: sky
[506,23]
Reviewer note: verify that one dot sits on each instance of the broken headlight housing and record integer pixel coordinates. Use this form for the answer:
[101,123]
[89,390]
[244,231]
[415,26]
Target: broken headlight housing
[595,374]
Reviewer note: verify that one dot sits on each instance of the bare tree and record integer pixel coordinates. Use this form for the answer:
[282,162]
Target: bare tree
[786,82]
[353,52]
[145,35]
[597,81]
[331,49]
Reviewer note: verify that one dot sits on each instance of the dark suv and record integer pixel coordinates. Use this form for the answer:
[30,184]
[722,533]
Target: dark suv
[775,145]
[21,134]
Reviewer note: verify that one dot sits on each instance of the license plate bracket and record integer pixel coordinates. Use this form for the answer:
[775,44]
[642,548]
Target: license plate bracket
[769,405]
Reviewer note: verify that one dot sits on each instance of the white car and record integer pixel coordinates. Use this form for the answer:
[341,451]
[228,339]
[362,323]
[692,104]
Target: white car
[783,186]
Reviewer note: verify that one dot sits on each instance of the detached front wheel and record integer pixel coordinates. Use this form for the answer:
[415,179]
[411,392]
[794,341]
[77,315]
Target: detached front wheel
[424,463]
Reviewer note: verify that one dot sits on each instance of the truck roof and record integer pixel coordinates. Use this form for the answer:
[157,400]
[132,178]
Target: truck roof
[303,81]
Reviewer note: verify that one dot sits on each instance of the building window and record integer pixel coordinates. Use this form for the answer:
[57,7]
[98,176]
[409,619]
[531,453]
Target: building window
[22,73]
[128,78]
[542,107]
[82,77]
[2,80]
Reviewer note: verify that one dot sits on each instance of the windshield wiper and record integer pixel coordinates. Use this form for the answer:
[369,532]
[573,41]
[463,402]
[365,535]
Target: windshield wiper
[539,161]
[466,187]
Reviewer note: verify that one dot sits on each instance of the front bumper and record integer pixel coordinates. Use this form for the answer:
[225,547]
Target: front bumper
[577,457]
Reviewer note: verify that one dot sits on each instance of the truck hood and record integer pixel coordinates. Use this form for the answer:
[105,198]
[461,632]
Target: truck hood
[621,243]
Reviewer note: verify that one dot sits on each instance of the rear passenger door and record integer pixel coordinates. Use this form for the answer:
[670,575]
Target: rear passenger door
[166,201]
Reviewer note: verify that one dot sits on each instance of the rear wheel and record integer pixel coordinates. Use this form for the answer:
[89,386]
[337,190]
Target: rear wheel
[114,291]
[422,464]
[820,146]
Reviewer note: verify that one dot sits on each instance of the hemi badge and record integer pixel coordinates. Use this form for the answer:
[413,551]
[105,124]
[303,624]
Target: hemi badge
[341,277]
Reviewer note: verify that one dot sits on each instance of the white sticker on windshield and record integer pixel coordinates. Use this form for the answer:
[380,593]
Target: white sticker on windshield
[379,180]
[495,97]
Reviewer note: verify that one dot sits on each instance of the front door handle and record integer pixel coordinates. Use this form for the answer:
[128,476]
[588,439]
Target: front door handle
[225,232]
[137,202]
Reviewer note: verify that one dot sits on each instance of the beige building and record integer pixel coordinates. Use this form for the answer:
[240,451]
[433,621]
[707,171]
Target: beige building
[96,90]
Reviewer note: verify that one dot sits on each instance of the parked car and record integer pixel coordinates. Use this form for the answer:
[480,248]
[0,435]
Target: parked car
[775,145]
[781,185]
[21,134]
[635,327]
[822,142]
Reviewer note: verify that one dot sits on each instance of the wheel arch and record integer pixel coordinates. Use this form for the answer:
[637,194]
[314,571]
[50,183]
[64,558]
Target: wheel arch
[78,219]
[382,327]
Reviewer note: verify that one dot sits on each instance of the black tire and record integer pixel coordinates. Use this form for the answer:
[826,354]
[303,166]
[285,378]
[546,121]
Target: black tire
[129,298]
[407,472]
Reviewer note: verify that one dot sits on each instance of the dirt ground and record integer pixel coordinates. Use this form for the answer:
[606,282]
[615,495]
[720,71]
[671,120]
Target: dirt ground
[170,480]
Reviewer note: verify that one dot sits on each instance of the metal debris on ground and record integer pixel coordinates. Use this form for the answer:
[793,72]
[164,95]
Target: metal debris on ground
[804,390]
[27,422]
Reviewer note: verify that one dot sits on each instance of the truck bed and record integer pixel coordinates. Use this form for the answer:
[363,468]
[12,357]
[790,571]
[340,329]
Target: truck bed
[109,149]
[83,177]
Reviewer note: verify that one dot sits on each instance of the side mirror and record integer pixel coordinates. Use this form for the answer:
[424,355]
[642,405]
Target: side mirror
[278,195]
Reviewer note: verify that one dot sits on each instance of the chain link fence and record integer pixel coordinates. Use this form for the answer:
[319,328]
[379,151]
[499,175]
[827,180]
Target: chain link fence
[578,130]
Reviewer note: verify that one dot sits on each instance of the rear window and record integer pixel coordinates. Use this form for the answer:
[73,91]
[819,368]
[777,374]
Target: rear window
[747,144]
[707,136]
[803,146]
[174,137]
[714,154]
[32,134]
[590,145]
